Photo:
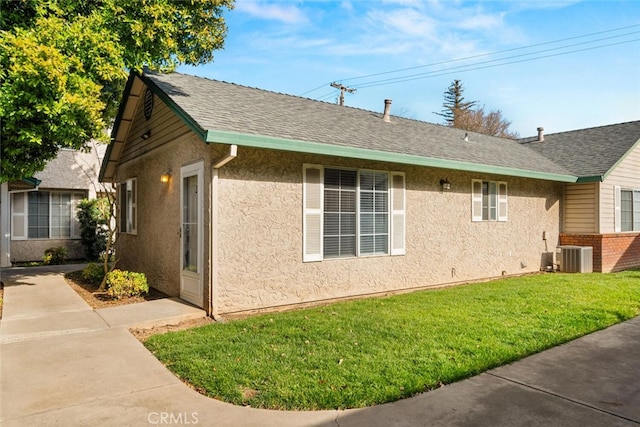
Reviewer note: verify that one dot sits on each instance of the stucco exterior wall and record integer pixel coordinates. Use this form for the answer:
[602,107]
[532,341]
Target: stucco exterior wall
[33,249]
[155,248]
[260,236]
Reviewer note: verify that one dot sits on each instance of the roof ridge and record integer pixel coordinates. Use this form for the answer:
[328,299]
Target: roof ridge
[303,98]
[524,139]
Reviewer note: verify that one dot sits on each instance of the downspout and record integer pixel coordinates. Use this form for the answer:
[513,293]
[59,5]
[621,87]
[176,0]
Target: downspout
[213,234]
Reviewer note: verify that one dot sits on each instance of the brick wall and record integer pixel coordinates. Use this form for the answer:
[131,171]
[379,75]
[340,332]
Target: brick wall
[611,252]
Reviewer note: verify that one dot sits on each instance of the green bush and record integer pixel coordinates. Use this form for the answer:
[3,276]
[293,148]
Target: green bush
[54,256]
[121,284]
[93,217]
[93,273]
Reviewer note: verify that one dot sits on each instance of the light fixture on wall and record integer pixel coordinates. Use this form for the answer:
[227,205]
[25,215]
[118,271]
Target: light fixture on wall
[166,176]
[146,135]
[445,184]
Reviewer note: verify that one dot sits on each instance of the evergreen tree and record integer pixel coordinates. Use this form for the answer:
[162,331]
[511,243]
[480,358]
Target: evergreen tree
[454,104]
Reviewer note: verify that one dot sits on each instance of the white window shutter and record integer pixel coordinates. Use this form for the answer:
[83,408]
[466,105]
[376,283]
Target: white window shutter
[19,216]
[312,213]
[502,201]
[398,213]
[617,216]
[476,200]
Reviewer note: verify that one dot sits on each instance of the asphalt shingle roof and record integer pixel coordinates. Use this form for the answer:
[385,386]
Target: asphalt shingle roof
[588,152]
[221,106]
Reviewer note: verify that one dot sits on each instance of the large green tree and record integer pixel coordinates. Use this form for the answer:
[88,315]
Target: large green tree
[63,65]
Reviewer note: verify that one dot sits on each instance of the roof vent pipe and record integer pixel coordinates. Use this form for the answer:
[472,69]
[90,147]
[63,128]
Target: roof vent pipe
[387,108]
[540,134]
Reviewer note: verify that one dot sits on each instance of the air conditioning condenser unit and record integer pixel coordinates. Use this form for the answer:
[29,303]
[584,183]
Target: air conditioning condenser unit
[575,259]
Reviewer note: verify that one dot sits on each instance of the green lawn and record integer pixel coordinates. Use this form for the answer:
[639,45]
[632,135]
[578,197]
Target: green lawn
[365,352]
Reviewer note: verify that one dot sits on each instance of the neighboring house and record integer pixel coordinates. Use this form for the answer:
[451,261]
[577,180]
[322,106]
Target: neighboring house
[239,199]
[41,212]
[602,209]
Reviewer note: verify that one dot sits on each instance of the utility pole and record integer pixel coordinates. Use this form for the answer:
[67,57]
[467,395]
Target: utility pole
[343,89]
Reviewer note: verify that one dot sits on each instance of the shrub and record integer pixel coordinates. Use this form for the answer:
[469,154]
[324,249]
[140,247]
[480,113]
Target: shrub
[93,273]
[93,218]
[54,256]
[121,284]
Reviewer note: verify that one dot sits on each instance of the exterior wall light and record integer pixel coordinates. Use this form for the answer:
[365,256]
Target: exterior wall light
[445,184]
[146,135]
[165,177]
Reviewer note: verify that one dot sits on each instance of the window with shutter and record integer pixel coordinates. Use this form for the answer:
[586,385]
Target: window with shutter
[351,213]
[45,215]
[128,206]
[488,201]
[627,210]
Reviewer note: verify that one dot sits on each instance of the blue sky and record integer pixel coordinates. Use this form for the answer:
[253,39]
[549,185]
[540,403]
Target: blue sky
[559,64]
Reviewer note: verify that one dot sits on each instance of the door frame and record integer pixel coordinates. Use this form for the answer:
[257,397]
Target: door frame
[190,280]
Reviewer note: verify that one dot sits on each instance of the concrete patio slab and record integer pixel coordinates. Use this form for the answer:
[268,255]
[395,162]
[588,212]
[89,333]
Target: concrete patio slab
[167,311]
[68,322]
[51,295]
[64,371]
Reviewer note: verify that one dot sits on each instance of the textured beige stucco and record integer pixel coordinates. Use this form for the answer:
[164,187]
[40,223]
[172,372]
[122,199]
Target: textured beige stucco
[260,234]
[33,249]
[155,248]
[253,248]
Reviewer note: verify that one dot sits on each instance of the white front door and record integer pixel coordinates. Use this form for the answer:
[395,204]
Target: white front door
[191,245]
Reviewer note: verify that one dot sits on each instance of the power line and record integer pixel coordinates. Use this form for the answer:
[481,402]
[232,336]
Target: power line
[506,50]
[407,78]
[449,70]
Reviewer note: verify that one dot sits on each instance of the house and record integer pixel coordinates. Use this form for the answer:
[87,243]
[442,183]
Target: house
[602,208]
[239,199]
[40,212]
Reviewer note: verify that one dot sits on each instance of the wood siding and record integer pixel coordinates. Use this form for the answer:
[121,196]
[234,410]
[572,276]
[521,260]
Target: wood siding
[627,176]
[165,126]
[580,208]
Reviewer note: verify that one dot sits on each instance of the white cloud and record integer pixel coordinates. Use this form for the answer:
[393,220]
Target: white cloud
[287,13]
[482,22]
[410,22]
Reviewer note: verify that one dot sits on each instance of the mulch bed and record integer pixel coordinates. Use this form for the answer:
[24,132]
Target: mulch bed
[89,292]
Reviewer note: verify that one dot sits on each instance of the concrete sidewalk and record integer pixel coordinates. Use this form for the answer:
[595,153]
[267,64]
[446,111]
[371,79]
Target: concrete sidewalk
[63,363]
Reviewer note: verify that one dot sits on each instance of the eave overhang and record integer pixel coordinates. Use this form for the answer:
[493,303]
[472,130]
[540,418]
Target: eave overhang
[261,141]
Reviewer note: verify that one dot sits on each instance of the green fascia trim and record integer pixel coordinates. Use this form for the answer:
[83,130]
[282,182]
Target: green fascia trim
[186,118]
[595,178]
[34,182]
[245,140]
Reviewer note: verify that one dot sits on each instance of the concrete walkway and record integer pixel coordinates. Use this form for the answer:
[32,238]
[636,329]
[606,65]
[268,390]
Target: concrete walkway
[63,363]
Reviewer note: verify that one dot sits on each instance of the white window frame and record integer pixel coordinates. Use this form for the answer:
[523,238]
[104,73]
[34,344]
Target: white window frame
[635,214]
[478,204]
[313,213]
[128,206]
[23,214]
